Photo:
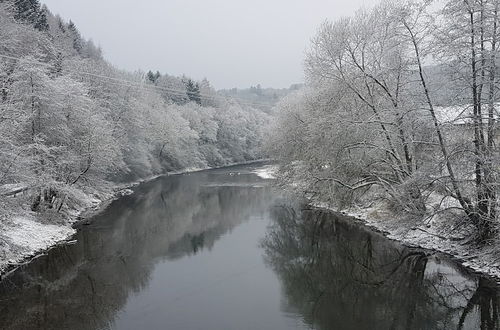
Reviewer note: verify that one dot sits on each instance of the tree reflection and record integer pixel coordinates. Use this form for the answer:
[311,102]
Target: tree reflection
[339,276]
[485,298]
[83,286]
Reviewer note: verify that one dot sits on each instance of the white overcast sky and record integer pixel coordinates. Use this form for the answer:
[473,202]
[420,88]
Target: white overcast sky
[233,43]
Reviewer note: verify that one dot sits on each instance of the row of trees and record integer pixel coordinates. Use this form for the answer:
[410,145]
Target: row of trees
[72,123]
[370,116]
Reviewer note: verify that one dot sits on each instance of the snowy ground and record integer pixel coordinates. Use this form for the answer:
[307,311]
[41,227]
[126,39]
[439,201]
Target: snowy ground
[25,236]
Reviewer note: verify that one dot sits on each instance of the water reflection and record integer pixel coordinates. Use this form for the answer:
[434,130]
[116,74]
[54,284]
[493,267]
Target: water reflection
[163,258]
[83,286]
[338,276]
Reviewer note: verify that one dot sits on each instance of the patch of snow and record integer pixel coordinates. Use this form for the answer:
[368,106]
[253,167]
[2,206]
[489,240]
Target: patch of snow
[267,172]
[29,234]
[12,189]
[26,237]
[460,114]
[194,169]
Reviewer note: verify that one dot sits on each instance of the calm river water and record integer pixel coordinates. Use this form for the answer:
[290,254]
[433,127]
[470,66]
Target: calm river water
[223,249]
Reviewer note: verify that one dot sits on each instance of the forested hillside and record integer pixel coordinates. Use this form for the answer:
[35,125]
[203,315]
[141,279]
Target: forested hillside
[72,125]
[400,113]
[259,96]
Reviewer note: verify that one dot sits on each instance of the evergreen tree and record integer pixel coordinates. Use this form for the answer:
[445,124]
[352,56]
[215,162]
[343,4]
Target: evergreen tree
[29,11]
[41,23]
[153,77]
[26,10]
[77,38]
[57,69]
[193,91]
[150,76]
[61,25]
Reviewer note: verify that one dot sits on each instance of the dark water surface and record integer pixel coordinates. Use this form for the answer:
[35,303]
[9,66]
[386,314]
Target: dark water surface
[223,249]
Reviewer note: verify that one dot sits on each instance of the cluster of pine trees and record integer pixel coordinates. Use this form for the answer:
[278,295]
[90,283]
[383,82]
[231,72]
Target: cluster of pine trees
[71,123]
[30,12]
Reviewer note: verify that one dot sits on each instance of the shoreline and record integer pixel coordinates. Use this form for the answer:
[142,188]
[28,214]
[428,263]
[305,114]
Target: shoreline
[83,216]
[378,218]
[477,260]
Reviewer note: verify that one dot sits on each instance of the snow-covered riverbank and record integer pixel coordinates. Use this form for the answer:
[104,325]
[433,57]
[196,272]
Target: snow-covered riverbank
[433,234]
[26,234]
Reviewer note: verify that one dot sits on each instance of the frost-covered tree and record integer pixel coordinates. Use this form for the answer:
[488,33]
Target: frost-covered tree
[369,122]
[72,124]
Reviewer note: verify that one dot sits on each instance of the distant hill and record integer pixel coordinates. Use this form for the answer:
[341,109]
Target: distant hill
[256,95]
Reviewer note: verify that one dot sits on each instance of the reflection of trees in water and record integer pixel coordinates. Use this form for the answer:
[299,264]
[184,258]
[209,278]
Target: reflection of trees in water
[82,286]
[485,298]
[338,276]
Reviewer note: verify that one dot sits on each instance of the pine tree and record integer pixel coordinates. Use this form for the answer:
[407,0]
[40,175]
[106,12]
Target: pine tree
[153,77]
[41,23]
[29,11]
[58,65]
[150,76]
[26,10]
[77,38]
[61,24]
[193,91]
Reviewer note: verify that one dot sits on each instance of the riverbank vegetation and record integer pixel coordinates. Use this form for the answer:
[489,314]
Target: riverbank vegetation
[73,127]
[401,108]
[71,123]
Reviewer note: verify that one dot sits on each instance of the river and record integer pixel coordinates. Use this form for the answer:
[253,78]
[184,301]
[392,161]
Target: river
[224,249]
